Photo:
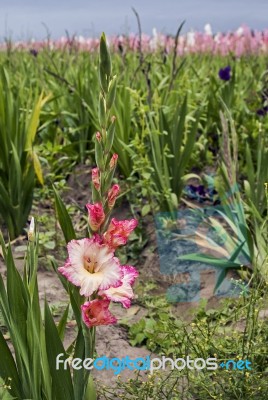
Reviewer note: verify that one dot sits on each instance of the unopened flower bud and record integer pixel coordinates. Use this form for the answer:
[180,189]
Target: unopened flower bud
[96,178]
[113,161]
[96,216]
[118,232]
[98,137]
[112,195]
[31,233]
[113,118]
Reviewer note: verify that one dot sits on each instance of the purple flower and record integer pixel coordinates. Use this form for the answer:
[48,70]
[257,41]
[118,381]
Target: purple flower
[33,52]
[201,190]
[262,111]
[225,73]
[200,193]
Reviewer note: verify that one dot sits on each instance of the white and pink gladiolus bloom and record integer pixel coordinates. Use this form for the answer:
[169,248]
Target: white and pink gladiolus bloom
[91,266]
[124,293]
[96,216]
[118,232]
[112,195]
[96,313]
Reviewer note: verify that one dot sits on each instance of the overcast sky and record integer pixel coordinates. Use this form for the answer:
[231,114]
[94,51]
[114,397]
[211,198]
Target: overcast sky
[24,19]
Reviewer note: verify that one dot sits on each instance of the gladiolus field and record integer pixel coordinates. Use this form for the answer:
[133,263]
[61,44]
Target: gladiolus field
[133,217]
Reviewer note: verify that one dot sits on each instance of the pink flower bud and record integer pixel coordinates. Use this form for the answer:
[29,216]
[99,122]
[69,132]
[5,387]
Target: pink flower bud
[118,232]
[96,178]
[98,137]
[96,313]
[96,215]
[112,195]
[113,161]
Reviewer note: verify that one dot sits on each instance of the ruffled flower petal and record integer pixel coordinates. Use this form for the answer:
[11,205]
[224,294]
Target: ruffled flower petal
[123,293]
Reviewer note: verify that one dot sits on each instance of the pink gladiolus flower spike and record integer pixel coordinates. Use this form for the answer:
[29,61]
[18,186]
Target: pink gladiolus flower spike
[91,266]
[123,293]
[96,215]
[96,313]
[118,232]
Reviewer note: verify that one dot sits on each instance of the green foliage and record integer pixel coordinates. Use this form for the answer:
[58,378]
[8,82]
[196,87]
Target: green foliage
[19,163]
[233,330]
[170,149]
[123,109]
[64,218]
[239,221]
[160,135]
[168,126]
[256,167]
[31,372]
